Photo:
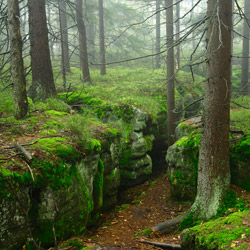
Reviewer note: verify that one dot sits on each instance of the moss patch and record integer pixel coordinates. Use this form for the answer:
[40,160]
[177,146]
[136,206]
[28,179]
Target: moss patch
[220,233]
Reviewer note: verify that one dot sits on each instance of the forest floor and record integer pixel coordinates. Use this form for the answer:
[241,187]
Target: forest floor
[143,207]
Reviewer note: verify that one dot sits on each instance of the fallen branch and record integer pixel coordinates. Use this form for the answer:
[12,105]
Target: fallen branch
[21,149]
[161,244]
[170,225]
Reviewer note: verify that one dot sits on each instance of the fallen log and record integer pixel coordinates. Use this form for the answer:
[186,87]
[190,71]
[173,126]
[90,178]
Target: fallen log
[22,150]
[169,225]
[162,244]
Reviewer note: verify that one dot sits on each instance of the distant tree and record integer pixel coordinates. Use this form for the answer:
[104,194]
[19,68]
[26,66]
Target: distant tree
[82,41]
[213,171]
[64,35]
[177,37]
[17,69]
[170,73]
[42,75]
[102,41]
[245,49]
[158,34]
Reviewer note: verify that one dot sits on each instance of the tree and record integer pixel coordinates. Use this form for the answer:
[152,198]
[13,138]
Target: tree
[245,49]
[82,42]
[17,69]
[101,33]
[64,35]
[213,170]
[170,73]
[42,75]
[158,34]
[178,33]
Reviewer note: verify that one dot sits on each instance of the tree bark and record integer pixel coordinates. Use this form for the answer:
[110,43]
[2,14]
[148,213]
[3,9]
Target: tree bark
[213,170]
[101,34]
[158,34]
[170,73]
[177,37]
[245,50]
[64,34]
[82,42]
[42,75]
[17,68]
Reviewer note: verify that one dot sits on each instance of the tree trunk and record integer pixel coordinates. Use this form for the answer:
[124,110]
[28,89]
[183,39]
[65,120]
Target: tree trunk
[158,34]
[82,41]
[42,75]
[232,41]
[178,34]
[213,170]
[245,50]
[170,73]
[64,62]
[17,69]
[101,33]
[64,35]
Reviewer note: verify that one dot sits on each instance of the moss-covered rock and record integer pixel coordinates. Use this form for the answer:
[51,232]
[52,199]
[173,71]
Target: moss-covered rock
[223,233]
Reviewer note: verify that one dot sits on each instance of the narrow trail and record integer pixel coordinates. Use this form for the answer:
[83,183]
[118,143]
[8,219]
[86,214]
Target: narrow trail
[142,206]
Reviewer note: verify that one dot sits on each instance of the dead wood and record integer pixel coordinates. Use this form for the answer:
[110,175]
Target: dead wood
[169,225]
[22,150]
[162,244]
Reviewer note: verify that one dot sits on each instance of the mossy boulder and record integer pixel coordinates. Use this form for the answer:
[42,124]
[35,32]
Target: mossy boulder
[182,158]
[231,232]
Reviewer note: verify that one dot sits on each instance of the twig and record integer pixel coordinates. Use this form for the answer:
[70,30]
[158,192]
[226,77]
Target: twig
[161,244]
[21,149]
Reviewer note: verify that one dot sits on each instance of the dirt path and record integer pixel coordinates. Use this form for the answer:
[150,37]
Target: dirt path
[143,206]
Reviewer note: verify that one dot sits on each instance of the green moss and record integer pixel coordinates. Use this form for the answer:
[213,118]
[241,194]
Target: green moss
[219,233]
[48,132]
[149,142]
[125,157]
[56,113]
[57,146]
[146,232]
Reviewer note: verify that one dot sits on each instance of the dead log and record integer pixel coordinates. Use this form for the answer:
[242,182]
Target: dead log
[170,225]
[162,245]
[22,150]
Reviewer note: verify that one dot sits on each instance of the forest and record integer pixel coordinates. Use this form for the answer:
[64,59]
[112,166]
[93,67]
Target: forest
[124,124]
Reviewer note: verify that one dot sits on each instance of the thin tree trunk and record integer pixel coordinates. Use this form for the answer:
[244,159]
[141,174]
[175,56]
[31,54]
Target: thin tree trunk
[213,170]
[83,42]
[17,69]
[245,50]
[158,35]
[170,73]
[101,33]
[64,34]
[62,45]
[232,40]
[178,34]
[42,75]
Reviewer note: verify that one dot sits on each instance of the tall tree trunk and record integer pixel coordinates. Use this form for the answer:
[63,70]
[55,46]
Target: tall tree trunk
[42,74]
[101,35]
[245,50]
[64,35]
[82,41]
[178,33]
[232,40]
[17,69]
[170,73]
[158,34]
[51,39]
[62,45]
[213,171]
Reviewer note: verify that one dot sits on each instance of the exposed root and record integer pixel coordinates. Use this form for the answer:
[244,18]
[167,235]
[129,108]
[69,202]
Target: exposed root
[170,225]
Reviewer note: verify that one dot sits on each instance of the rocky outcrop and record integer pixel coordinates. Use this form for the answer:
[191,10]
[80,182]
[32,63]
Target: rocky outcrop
[136,164]
[71,189]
